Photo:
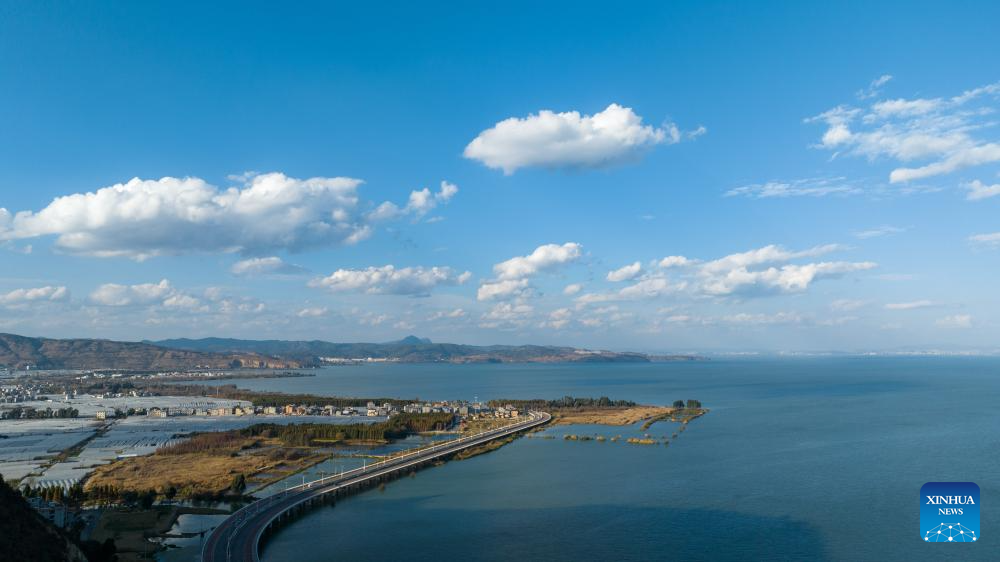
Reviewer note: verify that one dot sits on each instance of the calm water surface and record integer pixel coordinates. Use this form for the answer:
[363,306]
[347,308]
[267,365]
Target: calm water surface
[800,459]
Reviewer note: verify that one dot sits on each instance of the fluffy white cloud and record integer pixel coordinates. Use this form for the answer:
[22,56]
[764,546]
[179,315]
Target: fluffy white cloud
[312,312]
[759,271]
[956,321]
[512,276]
[925,136]
[570,140]
[759,256]
[909,305]
[36,294]
[788,278]
[144,218]
[625,273]
[264,266]
[648,287]
[979,190]
[420,203]
[808,187]
[507,315]
[572,289]
[674,261]
[504,288]
[162,296]
[112,294]
[389,279]
[544,258]
[558,318]
[991,239]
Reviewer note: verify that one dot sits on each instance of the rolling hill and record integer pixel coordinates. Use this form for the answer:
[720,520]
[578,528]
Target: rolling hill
[19,352]
[409,350]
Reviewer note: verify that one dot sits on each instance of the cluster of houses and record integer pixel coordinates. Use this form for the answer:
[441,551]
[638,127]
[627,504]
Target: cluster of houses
[474,410]
[17,393]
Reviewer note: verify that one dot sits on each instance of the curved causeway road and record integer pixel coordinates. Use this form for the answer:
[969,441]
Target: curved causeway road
[238,537]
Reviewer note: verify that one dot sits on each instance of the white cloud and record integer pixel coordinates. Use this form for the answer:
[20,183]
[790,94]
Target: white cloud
[372,319]
[312,312]
[767,254]
[956,321]
[789,278]
[507,316]
[991,239]
[738,319]
[181,301]
[570,140]
[760,271]
[874,89]
[926,137]
[419,204]
[878,231]
[559,318]
[979,190]
[572,289]
[674,261]
[144,218]
[447,314]
[761,319]
[388,279]
[648,287]
[625,273]
[112,294]
[808,187]
[745,273]
[505,288]
[911,305]
[36,294]
[264,266]
[544,258]
[512,276]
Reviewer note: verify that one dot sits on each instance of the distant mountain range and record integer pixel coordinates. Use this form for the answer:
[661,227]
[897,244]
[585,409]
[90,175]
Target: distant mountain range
[19,352]
[410,349]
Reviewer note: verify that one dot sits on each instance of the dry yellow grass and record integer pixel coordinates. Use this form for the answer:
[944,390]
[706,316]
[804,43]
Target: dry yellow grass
[208,472]
[609,416]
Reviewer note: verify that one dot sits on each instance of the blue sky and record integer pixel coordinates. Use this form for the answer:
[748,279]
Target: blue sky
[828,173]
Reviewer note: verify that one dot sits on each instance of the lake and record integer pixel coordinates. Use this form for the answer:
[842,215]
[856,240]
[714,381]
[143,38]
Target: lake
[799,459]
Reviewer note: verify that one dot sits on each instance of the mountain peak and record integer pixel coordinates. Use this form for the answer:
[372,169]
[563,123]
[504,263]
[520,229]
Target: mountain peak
[413,340]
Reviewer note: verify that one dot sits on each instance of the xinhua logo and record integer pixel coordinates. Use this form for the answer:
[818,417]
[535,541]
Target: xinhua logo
[949,512]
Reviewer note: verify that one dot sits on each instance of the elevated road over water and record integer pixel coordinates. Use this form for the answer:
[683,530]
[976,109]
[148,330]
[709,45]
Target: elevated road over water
[238,537]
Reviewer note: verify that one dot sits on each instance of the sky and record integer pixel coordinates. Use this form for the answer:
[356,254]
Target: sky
[685,176]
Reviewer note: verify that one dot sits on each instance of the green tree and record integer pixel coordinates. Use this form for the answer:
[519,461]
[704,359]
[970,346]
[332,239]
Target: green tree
[146,499]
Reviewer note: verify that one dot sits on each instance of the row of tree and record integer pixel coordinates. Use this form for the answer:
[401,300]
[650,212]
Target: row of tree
[563,403]
[306,434]
[691,404]
[20,412]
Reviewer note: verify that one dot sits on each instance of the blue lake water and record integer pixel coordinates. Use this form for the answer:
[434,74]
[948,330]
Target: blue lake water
[799,459]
